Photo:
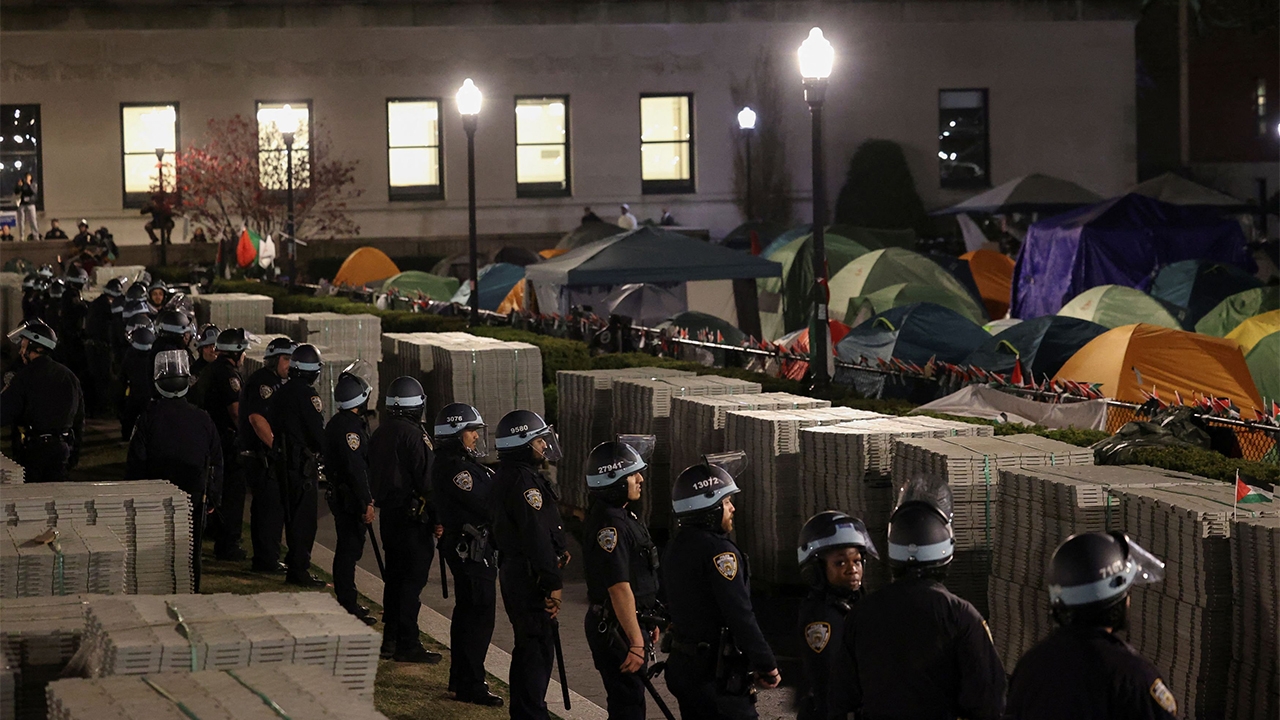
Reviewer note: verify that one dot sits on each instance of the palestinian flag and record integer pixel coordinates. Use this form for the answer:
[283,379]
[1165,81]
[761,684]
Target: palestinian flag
[1247,493]
[247,248]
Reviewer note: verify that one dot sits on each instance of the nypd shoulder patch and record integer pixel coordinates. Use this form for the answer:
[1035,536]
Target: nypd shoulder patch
[235,384]
[607,538]
[353,441]
[817,635]
[426,440]
[534,497]
[463,481]
[315,403]
[265,391]
[1160,693]
[727,565]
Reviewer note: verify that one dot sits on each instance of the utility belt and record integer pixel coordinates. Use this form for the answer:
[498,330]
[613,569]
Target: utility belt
[473,544]
[342,499]
[416,509]
[29,436]
[650,615]
[732,668]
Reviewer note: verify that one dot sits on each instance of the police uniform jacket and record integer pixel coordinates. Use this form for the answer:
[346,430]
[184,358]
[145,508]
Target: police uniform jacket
[297,419]
[43,397]
[199,364]
[462,490]
[137,370]
[97,323]
[822,619]
[31,305]
[618,549]
[527,525]
[177,441]
[346,460]
[255,398]
[924,653]
[216,391]
[1087,673]
[400,456]
[705,578]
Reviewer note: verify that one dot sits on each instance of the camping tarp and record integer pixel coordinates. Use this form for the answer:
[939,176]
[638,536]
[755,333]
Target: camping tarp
[1133,358]
[1264,364]
[1123,241]
[1249,332]
[1114,305]
[1229,313]
[363,266]
[980,401]
[911,333]
[648,255]
[411,282]
[645,304]
[786,302]
[1199,285]
[1026,194]
[1043,345]
[993,274]
[881,268]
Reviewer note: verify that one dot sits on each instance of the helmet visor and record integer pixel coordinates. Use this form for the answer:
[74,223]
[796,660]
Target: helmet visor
[1148,568]
[362,370]
[930,490]
[15,335]
[642,444]
[481,448]
[172,363]
[733,462]
[551,451]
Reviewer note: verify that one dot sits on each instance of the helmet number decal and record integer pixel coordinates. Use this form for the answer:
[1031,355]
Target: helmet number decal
[817,635]
[534,497]
[353,441]
[1163,697]
[463,481]
[265,391]
[727,565]
[607,538]
[315,403]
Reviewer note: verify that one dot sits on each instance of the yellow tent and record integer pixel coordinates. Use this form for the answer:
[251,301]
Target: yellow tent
[1249,332]
[1168,360]
[365,265]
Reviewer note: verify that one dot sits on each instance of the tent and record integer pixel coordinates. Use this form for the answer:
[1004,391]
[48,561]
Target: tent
[365,265]
[993,274]
[1118,242]
[1251,331]
[1027,194]
[516,255]
[879,269]
[794,233]
[1043,345]
[786,302]
[646,304]
[496,281]
[1115,305]
[911,333]
[1264,364]
[587,233]
[999,326]
[739,238]
[1236,309]
[862,307]
[1199,285]
[797,343]
[1133,358]
[1177,190]
[876,238]
[411,282]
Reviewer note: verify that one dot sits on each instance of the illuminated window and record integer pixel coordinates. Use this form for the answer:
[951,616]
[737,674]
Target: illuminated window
[20,149]
[666,144]
[274,120]
[1260,100]
[542,146]
[964,157]
[414,161]
[143,130]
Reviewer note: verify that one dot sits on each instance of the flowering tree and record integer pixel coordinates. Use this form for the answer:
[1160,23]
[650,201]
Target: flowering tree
[237,177]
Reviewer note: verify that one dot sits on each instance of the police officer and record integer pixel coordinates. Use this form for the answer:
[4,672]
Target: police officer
[98,341]
[217,392]
[912,649]
[621,565]
[72,312]
[1082,670]
[266,513]
[346,462]
[400,455]
[176,441]
[44,403]
[204,343]
[157,294]
[173,332]
[136,376]
[297,417]
[832,552]
[716,644]
[32,292]
[533,551]
[463,489]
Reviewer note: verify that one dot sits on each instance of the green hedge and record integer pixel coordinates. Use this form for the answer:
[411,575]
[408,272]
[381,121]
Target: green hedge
[1207,463]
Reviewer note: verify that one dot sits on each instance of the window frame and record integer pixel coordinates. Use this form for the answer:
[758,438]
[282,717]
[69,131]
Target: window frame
[670,187]
[130,200]
[311,133]
[416,193]
[7,108]
[542,190]
[985,182]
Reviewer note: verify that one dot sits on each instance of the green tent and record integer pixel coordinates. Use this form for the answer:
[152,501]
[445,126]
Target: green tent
[1237,308]
[785,301]
[864,307]
[1264,365]
[412,282]
[1112,306]
[882,269]
[876,238]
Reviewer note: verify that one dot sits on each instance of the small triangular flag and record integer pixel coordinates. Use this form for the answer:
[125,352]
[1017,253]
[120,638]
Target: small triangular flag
[1247,493]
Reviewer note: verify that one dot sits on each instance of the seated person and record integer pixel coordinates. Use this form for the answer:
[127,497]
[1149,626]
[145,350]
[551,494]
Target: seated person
[161,216]
[55,232]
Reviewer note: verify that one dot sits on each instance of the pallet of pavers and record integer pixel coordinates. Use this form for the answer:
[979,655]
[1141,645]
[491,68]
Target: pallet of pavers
[348,336]
[39,636]
[229,310]
[1253,680]
[585,419]
[142,634]
[266,692]
[151,517]
[11,473]
[38,561]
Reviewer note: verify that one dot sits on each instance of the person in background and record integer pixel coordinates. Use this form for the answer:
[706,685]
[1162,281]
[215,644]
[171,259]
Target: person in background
[161,211]
[198,236]
[55,232]
[25,195]
[668,219]
[588,216]
[83,238]
[5,234]
[626,220]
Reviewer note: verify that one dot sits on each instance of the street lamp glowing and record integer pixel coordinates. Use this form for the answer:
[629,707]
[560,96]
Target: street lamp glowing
[747,119]
[816,56]
[469,98]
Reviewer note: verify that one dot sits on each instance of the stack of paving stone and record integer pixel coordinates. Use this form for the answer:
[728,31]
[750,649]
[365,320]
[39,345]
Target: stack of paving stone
[228,310]
[769,508]
[11,473]
[267,692]
[39,636]
[585,419]
[151,517]
[136,635]
[1253,680]
[39,561]
[10,678]
[348,336]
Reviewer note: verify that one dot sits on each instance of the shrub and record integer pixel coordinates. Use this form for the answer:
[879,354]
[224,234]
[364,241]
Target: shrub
[1207,463]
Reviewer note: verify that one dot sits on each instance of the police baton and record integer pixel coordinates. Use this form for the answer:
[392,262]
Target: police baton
[377,553]
[444,577]
[646,675]
[564,680]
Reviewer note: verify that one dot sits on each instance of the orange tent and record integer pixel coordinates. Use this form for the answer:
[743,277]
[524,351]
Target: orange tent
[797,343]
[993,274]
[514,301]
[1167,360]
[364,266]
[552,253]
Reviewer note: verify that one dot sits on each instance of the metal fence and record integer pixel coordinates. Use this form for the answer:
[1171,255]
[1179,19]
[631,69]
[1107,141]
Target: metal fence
[1255,440]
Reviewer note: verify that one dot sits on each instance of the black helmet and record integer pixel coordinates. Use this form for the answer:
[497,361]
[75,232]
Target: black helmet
[136,291]
[30,281]
[519,428]
[134,308]
[920,535]
[208,335]
[617,460]
[35,332]
[351,391]
[698,494]
[405,397]
[77,277]
[452,420]
[231,340]
[113,288]
[172,322]
[45,271]
[140,321]
[142,337]
[305,363]
[57,287]
[172,373]
[1091,573]
[158,284]
[833,530]
[279,346]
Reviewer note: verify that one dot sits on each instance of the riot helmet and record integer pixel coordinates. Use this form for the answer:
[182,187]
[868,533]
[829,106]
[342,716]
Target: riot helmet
[77,277]
[137,291]
[405,398]
[610,464]
[698,494]
[57,287]
[30,281]
[38,335]
[305,363]
[826,531]
[45,271]
[172,373]
[279,346]
[351,391]
[113,288]
[134,308]
[208,335]
[516,432]
[920,532]
[1091,574]
[172,323]
[231,340]
[455,418]
[142,337]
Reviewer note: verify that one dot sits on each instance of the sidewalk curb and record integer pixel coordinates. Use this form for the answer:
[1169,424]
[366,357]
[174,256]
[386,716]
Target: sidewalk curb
[497,662]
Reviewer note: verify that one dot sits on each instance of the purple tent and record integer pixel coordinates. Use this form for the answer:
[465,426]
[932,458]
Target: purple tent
[1124,241]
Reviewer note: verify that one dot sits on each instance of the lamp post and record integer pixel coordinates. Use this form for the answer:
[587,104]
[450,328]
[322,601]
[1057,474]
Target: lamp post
[469,99]
[164,235]
[816,58]
[291,247]
[747,124]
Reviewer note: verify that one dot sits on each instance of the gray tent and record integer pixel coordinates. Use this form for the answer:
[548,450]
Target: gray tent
[1027,194]
[1177,190]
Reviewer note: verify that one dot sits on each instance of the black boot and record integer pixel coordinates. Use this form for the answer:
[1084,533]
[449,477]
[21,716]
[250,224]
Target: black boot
[304,579]
[417,654]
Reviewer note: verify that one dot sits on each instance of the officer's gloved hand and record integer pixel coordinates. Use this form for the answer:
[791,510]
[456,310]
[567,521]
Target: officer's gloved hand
[770,679]
[553,604]
[368,515]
